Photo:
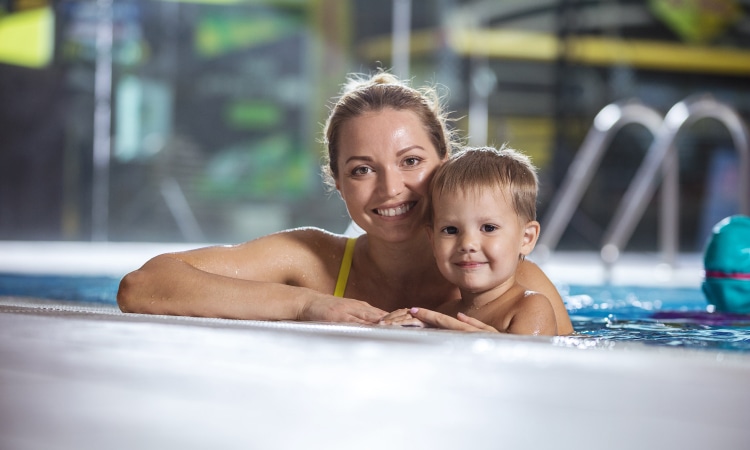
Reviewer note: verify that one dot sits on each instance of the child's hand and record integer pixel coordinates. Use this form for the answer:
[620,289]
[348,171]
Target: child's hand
[462,322]
[401,318]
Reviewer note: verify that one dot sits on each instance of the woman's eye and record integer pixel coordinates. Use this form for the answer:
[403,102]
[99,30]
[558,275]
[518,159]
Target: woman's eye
[361,170]
[487,228]
[449,230]
[412,161]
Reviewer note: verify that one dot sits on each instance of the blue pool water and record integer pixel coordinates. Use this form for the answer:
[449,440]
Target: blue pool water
[69,288]
[677,317]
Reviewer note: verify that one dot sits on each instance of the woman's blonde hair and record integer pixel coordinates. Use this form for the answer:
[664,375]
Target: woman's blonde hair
[488,167]
[362,94]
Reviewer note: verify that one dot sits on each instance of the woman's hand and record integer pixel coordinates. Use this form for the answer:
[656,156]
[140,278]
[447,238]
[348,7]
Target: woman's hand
[462,322]
[327,308]
[402,318]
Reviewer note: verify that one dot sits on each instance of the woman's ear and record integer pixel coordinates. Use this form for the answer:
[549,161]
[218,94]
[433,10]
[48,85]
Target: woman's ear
[530,236]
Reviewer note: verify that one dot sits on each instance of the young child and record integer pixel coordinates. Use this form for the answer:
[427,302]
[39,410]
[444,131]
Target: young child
[481,222]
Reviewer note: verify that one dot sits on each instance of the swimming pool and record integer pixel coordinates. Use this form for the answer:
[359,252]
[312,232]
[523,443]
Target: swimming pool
[665,308]
[76,373]
[674,316]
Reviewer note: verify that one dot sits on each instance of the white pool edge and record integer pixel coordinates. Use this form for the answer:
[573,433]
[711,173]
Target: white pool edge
[118,258]
[637,269]
[81,258]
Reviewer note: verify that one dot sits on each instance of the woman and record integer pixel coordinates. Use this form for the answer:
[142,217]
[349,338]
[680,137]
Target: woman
[384,141]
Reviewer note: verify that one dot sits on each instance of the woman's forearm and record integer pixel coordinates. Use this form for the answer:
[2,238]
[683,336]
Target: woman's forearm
[167,285]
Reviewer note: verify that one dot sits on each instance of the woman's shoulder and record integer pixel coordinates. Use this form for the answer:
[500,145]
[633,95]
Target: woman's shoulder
[307,257]
[314,241]
[312,236]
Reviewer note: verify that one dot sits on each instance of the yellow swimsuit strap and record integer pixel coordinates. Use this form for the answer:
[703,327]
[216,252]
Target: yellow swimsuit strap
[346,265]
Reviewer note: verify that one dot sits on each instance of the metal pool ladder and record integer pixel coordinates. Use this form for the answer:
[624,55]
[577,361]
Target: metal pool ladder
[662,154]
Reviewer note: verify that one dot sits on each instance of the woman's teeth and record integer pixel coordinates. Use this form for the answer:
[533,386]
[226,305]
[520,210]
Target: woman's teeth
[390,212]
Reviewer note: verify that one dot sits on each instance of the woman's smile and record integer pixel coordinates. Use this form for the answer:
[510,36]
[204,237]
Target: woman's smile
[397,210]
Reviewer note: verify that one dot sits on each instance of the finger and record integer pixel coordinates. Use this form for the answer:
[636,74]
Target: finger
[440,320]
[396,313]
[415,323]
[356,317]
[476,323]
[357,320]
[395,316]
[370,314]
[406,321]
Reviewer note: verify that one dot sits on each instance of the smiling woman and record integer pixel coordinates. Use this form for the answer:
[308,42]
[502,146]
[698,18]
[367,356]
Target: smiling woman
[387,160]
[385,139]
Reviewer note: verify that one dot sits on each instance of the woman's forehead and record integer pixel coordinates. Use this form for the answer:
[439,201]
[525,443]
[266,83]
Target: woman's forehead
[387,128]
[386,118]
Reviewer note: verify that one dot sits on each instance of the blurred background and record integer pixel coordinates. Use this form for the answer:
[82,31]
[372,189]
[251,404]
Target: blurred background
[200,121]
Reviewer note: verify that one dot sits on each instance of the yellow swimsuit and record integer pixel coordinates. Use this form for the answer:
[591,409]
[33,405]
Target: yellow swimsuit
[346,266]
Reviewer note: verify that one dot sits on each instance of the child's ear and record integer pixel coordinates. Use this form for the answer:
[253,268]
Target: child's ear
[530,236]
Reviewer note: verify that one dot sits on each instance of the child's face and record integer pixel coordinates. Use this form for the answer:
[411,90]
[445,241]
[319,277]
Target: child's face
[478,239]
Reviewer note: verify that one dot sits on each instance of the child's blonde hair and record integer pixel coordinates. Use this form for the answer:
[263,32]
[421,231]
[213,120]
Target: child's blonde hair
[487,167]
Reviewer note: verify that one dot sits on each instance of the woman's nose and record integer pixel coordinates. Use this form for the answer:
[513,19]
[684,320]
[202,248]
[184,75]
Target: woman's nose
[391,182]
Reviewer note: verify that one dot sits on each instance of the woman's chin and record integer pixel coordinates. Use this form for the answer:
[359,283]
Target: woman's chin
[399,233]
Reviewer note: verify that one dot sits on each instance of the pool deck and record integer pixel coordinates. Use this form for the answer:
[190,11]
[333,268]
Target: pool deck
[83,376]
[86,377]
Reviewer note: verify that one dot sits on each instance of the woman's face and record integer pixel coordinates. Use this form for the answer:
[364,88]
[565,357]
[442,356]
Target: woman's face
[385,163]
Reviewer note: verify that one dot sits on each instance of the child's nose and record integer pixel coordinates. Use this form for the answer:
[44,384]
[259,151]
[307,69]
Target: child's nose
[467,243]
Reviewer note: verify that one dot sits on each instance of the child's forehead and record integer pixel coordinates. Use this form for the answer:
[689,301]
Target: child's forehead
[474,191]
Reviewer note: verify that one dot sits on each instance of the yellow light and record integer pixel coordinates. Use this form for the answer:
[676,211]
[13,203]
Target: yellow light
[27,37]
[592,50]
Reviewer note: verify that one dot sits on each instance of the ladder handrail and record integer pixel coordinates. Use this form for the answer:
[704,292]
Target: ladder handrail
[663,153]
[660,155]
[606,124]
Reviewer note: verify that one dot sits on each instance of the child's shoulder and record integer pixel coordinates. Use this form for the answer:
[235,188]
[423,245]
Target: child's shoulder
[533,314]
[529,295]
[533,299]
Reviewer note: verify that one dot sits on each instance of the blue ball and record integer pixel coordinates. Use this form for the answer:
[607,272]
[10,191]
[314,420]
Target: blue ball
[727,264]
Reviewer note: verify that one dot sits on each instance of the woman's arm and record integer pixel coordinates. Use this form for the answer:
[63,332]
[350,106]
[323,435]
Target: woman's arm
[286,276]
[533,278]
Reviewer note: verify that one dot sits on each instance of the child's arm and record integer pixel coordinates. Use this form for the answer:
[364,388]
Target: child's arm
[534,316]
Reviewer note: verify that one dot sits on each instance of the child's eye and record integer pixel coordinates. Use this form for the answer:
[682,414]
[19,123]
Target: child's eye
[487,228]
[449,230]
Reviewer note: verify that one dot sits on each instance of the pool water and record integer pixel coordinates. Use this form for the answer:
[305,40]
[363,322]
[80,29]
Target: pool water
[676,317]
[92,289]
